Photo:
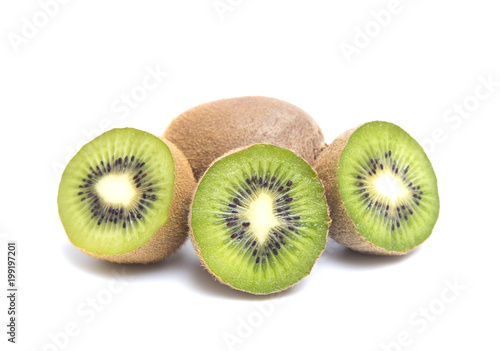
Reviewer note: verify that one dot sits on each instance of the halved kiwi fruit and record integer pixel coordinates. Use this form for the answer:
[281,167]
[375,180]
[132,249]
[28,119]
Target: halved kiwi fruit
[259,219]
[125,196]
[381,189]
[207,131]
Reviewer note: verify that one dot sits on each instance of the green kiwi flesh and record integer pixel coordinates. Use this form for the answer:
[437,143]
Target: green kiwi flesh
[259,219]
[388,192]
[115,195]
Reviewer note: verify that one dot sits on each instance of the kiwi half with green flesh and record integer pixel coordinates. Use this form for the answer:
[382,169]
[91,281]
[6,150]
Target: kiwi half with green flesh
[381,189]
[124,197]
[259,219]
[207,131]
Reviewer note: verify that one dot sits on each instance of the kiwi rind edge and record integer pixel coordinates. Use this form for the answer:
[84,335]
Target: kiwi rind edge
[198,251]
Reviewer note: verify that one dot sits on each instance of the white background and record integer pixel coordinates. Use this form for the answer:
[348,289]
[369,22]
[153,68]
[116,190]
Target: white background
[62,83]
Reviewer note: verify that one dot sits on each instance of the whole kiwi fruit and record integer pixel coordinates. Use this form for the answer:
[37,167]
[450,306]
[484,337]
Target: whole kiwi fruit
[207,131]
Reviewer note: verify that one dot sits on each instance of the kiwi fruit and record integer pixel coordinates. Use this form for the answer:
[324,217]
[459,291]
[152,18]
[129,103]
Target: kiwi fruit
[381,189]
[259,219]
[207,131]
[124,197]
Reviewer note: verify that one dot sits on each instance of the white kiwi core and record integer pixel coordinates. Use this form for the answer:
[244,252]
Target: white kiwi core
[116,190]
[390,187]
[260,214]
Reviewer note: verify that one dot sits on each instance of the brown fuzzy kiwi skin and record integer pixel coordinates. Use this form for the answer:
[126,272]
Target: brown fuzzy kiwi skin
[208,131]
[197,248]
[343,229]
[171,235]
